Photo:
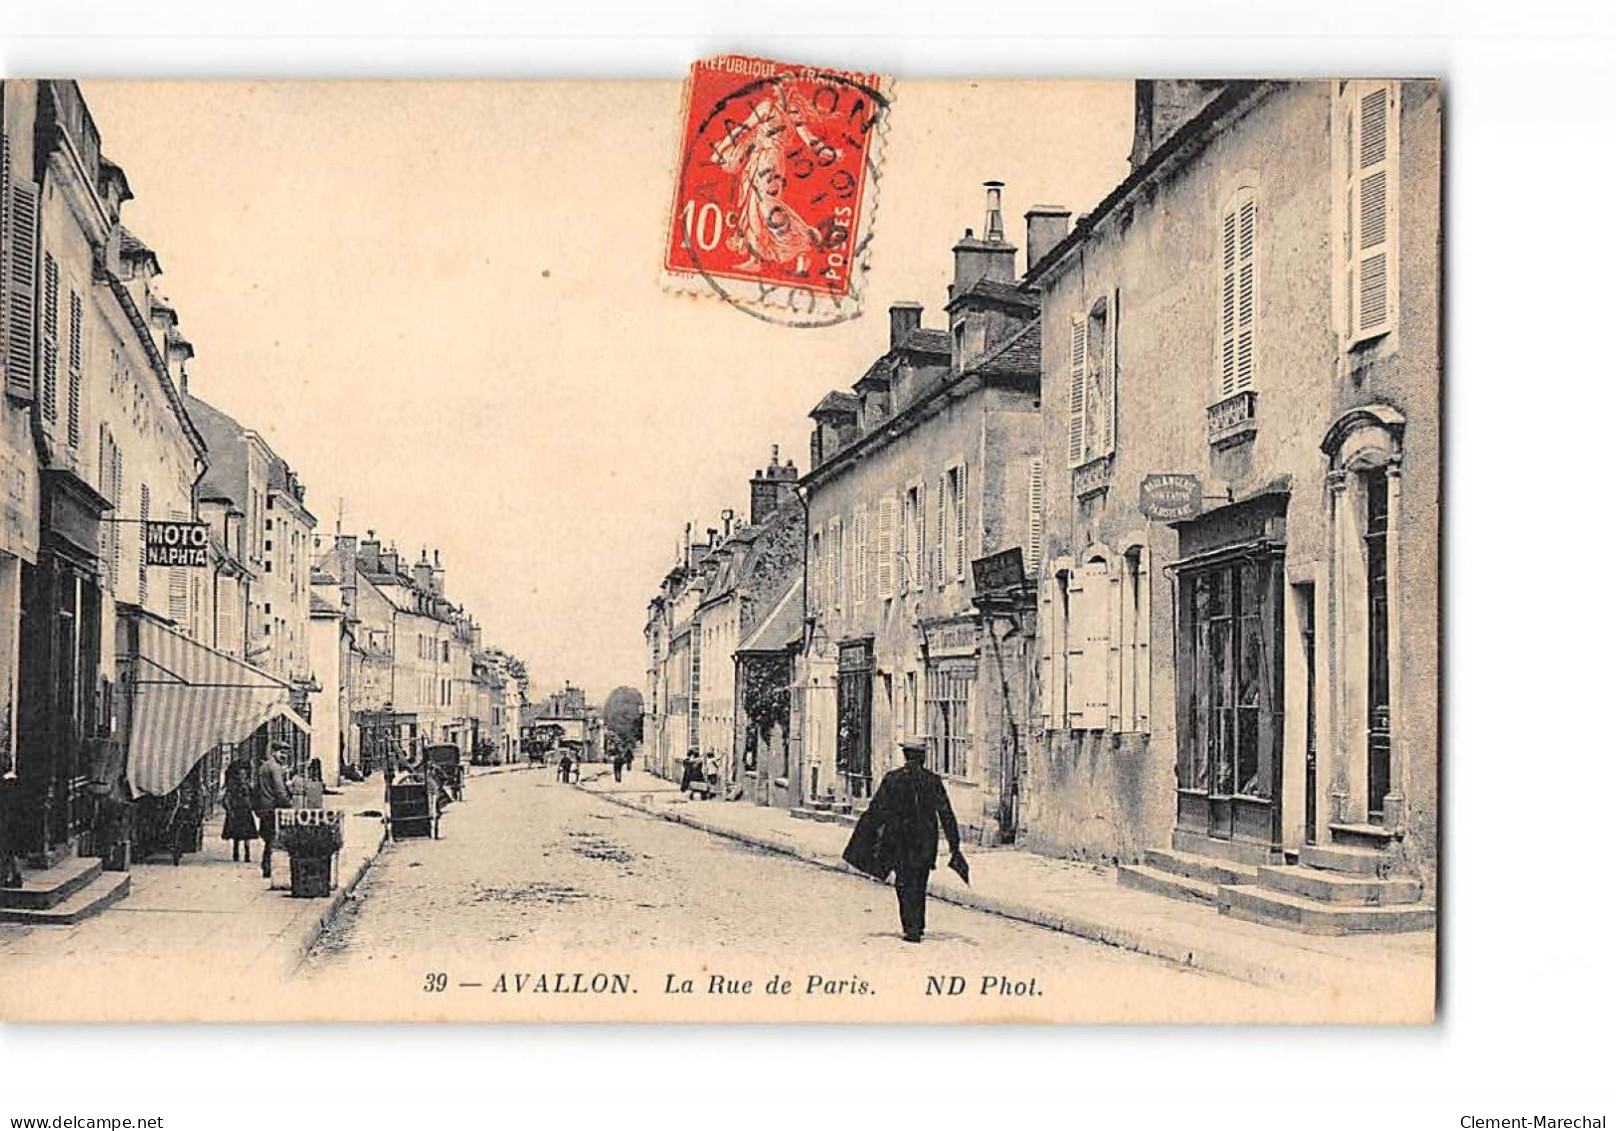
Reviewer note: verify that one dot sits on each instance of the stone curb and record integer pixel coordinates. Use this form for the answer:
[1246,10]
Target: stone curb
[1229,965]
[339,896]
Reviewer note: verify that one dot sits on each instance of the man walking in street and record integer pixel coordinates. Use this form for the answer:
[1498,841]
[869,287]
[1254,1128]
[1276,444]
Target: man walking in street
[898,833]
[272,794]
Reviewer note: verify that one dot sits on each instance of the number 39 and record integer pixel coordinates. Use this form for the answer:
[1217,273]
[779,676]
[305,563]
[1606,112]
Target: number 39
[435,984]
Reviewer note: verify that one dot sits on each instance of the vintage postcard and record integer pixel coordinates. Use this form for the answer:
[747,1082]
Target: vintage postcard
[796,545]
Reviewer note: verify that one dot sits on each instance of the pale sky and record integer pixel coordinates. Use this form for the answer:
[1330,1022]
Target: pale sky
[440,303]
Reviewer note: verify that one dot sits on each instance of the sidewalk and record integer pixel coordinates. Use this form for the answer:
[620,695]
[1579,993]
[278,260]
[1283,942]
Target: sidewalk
[1080,899]
[209,905]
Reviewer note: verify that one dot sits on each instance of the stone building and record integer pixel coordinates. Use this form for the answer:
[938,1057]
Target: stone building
[1255,682]
[927,465]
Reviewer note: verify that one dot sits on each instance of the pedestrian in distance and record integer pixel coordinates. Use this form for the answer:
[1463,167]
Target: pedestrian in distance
[564,767]
[240,826]
[897,835]
[617,766]
[271,795]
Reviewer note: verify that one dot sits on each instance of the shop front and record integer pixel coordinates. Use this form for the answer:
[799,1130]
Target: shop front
[1230,661]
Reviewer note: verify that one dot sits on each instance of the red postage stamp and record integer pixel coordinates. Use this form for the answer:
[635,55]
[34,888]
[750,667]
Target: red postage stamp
[774,197]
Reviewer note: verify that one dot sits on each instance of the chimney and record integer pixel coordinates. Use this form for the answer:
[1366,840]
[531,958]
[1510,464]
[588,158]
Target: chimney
[728,515]
[423,572]
[1160,107]
[389,560]
[903,319]
[370,552]
[987,258]
[1046,226]
[769,484]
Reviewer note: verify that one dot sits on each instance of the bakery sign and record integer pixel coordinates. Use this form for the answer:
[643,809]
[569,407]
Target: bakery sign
[176,543]
[1170,496]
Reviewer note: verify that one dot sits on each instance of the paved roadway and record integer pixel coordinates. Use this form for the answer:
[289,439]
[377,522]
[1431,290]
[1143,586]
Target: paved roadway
[535,877]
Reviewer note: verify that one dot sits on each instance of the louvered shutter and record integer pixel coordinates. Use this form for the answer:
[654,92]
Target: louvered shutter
[1370,208]
[1046,644]
[1076,391]
[939,554]
[920,534]
[1237,325]
[1113,326]
[901,555]
[1088,699]
[833,535]
[145,513]
[1076,644]
[961,521]
[179,597]
[19,227]
[1228,266]
[103,483]
[75,369]
[1034,562]
[1141,645]
[49,323]
[883,548]
[858,556]
[1113,650]
[116,498]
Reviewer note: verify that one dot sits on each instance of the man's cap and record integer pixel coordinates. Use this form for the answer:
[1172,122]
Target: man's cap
[913,746]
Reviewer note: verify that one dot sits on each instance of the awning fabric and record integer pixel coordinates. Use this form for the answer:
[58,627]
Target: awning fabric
[189,698]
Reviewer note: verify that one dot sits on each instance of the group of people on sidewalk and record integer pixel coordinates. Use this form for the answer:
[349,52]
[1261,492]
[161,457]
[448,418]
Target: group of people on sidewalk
[252,793]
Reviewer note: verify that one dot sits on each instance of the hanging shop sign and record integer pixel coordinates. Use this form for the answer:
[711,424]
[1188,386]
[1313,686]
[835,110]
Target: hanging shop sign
[176,543]
[998,572]
[1170,496]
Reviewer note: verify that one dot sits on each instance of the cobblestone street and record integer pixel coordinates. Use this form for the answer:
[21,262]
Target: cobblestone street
[537,877]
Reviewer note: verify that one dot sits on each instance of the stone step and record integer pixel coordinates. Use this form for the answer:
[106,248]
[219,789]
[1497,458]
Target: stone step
[105,889]
[801,812]
[1236,851]
[1336,887]
[1347,858]
[46,887]
[1207,868]
[1361,835]
[1159,881]
[1310,916]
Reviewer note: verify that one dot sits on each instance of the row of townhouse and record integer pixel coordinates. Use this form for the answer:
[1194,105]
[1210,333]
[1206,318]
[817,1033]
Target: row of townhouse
[708,690]
[421,674]
[1229,692]
[132,669]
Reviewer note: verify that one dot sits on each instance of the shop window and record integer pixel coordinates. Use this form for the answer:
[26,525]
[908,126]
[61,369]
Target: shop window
[948,709]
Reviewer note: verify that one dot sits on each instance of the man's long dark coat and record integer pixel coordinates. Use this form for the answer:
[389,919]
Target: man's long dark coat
[900,827]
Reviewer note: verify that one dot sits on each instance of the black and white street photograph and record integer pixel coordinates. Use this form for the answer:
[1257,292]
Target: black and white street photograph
[777,546]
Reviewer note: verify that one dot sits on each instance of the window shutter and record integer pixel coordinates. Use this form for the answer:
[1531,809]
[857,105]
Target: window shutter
[116,499]
[1113,652]
[816,598]
[883,548]
[833,534]
[1113,325]
[939,556]
[75,368]
[1370,207]
[1076,645]
[1246,307]
[49,321]
[179,597]
[19,241]
[1046,654]
[145,513]
[920,535]
[1075,408]
[859,588]
[1035,518]
[1229,265]
[1087,693]
[901,555]
[961,527]
[1141,644]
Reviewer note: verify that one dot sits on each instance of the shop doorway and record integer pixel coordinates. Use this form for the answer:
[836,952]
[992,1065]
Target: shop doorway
[854,695]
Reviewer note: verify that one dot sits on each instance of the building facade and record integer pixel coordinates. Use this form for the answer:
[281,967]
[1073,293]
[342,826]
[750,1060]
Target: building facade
[925,467]
[1256,305]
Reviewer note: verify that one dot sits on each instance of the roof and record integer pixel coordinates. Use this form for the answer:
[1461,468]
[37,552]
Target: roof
[318,576]
[927,341]
[836,401]
[1021,356]
[780,625]
[320,607]
[1199,126]
[991,290]
[226,476]
[131,246]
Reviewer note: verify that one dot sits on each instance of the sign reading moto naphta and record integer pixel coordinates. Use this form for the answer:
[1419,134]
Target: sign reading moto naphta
[176,543]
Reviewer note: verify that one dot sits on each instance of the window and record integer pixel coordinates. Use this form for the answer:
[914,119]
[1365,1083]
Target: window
[1237,294]
[816,572]
[1092,384]
[948,690]
[1229,677]
[1367,159]
[954,525]
[911,681]
[912,538]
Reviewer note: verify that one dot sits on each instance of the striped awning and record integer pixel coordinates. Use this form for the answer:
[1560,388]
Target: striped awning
[188,699]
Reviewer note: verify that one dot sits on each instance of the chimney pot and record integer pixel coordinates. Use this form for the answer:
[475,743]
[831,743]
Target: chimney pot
[1047,225]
